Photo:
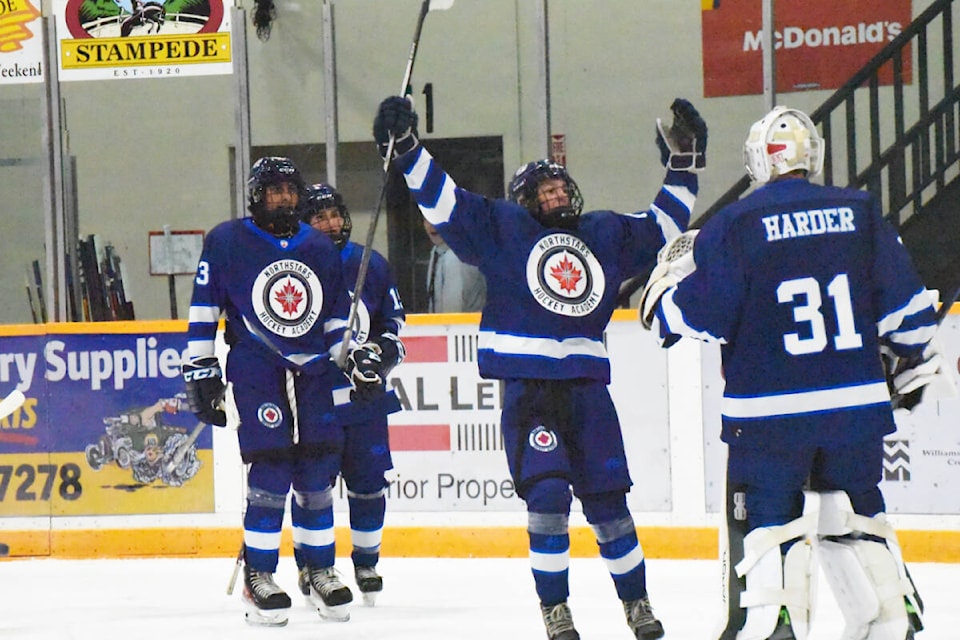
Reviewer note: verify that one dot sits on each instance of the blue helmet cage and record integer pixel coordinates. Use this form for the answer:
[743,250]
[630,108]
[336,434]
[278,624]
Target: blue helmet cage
[523,191]
[323,196]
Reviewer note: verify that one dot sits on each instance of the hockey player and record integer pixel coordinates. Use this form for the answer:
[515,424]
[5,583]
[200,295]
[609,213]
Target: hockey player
[552,280]
[280,285]
[366,453]
[802,285]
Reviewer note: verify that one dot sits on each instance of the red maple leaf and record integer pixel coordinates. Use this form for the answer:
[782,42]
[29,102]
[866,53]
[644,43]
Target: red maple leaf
[566,274]
[289,298]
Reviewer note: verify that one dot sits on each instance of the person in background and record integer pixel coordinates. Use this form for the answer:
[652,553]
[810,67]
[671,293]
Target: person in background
[805,287]
[280,286]
[366,450]
[453,286]
[553,276]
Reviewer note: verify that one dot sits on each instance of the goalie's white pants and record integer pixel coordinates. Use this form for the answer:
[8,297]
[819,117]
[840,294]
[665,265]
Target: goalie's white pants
[868,578]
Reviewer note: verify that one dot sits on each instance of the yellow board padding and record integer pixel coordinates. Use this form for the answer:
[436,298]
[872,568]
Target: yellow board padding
[673,543]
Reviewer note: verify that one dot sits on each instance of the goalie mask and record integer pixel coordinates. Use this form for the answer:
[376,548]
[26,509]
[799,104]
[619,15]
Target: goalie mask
[321,207]
[782,141]
[281,221]
[559,206]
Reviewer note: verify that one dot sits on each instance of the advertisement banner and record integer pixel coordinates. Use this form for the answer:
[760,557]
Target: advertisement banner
[21,42]
[99,433]
[818,44]
[126,39]
[921,459]
[446,445]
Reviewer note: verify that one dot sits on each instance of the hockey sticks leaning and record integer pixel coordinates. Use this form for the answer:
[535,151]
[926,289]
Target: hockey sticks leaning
[11,403]
[425,7]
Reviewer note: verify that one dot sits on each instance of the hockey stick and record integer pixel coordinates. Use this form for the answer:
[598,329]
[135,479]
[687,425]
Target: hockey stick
[11,403]
[236,572]
[426,7]
[184,447]
[896,399]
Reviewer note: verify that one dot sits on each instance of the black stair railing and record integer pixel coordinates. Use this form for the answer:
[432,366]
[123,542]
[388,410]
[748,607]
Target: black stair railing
[899,141]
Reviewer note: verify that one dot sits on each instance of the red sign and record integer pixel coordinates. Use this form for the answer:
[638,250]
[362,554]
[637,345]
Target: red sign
[818,44]
[558,148]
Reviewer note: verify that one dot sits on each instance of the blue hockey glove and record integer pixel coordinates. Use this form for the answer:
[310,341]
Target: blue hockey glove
[364,367]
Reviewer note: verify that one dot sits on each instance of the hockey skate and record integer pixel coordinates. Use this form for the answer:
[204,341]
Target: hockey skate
[266,604]
[370,584]
[640,619]
[559,622]
[328,594]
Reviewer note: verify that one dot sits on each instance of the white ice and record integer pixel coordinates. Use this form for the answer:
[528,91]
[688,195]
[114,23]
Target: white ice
[423,599]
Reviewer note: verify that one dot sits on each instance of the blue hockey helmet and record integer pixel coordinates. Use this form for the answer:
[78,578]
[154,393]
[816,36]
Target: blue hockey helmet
[271,171]
[320,197]
[524,188]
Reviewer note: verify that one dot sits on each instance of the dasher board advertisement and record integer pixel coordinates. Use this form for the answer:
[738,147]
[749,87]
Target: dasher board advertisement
[103,419]
[21,42]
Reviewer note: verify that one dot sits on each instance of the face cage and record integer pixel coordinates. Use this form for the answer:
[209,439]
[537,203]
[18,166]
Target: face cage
[565,217]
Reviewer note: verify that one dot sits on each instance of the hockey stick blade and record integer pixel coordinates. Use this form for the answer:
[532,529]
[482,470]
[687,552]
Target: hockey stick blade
[440,5]
[11,403]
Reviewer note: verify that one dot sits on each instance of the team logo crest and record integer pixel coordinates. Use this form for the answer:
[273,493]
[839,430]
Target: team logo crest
[269,415]
[564,275]
[287,297]
[543,439]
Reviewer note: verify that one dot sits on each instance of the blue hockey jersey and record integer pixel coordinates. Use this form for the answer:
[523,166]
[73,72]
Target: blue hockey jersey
[380,311]
[800,284]
[287,296]
[550,292]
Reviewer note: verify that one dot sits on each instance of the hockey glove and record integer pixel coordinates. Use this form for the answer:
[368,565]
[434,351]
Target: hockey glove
[396,118]
[923,377]
[364,367]
[205,389]
[683,147]
[674,263]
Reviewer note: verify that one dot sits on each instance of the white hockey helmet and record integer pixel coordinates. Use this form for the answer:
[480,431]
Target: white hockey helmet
[782,141]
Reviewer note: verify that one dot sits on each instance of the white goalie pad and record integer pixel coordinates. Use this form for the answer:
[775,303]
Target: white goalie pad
[774,580]
[868,578]
[674,263]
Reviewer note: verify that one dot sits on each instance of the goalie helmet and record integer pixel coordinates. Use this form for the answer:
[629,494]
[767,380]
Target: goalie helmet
[524,187]
[782,141]
[268,172]
[320,197]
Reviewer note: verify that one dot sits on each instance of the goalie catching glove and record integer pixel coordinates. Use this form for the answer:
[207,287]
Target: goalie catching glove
[205,389]
[396,118]
[683,147]
[674,263]
[913,380]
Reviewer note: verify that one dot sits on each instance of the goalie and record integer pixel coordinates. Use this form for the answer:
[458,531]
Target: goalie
[803,286]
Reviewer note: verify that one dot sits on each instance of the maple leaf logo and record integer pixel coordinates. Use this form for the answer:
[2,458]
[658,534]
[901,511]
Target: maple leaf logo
[566,274]
[289,298]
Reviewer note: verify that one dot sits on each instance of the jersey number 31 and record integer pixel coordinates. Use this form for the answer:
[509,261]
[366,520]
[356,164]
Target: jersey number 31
[809,312]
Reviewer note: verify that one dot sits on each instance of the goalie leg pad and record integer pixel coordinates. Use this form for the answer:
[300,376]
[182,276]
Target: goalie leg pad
[868,578]
[774,580]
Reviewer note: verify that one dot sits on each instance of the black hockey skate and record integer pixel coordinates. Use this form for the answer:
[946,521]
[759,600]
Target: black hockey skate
[640,619]
[266,604]
[559,622]
[369,582]
[328,594]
